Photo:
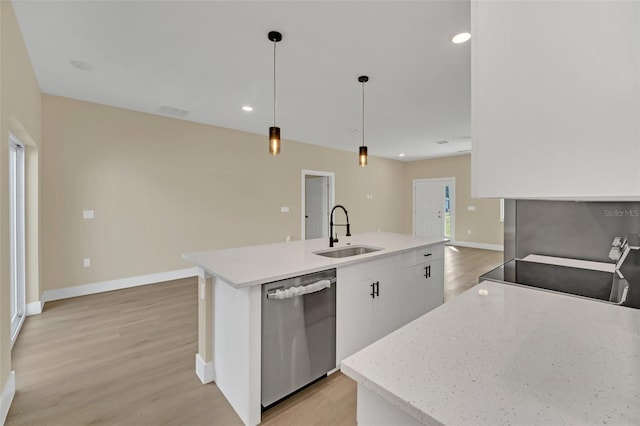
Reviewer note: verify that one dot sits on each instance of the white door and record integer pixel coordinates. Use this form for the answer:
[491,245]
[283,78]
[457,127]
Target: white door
[16,235]
[433,214]
[316,207]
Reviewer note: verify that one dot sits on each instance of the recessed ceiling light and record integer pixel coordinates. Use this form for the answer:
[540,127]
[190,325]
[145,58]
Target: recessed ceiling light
[401,155]
[247,108]
[84,66]
[461,38]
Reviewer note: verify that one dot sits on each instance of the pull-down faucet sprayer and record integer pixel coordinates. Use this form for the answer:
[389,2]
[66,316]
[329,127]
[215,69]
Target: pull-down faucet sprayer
[331,225]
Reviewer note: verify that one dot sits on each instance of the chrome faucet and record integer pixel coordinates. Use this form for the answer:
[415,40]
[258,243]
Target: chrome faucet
[331,225]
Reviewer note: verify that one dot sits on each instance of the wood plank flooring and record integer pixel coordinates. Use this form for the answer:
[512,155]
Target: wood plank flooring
[119,358]
[463,266]
[127,358]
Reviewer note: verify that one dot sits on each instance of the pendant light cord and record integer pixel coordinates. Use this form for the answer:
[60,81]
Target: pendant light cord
[363,113]
[274,84]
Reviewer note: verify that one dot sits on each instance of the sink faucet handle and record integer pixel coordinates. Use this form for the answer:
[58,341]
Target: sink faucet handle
[335,240]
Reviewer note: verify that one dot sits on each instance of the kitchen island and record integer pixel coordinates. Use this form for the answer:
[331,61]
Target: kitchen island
[503,354]
[408,271]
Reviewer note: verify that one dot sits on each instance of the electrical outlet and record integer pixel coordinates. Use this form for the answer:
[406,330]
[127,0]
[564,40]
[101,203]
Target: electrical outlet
[86,262]
[468,231]
[284,209]
[87,214]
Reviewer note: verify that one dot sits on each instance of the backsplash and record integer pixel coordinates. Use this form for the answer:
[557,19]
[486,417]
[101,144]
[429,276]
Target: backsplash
[579,230]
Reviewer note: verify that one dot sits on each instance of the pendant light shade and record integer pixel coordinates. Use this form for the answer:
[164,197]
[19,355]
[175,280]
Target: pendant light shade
[274,131]
[362,157]
[362,153]
[274,140]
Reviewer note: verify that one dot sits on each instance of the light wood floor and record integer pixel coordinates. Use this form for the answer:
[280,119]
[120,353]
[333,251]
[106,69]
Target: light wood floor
[127,358]
[463,266]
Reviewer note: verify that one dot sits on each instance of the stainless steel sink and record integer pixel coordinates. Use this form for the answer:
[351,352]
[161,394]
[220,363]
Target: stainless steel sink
[347,251]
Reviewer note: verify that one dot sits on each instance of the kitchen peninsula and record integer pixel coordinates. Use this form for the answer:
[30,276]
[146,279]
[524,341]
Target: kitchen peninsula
[504,354]
[408,272]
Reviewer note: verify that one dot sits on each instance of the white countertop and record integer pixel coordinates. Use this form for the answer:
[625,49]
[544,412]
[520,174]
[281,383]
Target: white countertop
[514,356]
[247,266]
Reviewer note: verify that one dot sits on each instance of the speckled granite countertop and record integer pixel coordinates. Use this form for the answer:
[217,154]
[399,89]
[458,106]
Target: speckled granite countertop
[513,356]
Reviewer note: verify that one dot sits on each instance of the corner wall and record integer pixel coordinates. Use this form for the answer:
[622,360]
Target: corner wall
[484,223]
[161,187]
[21,114]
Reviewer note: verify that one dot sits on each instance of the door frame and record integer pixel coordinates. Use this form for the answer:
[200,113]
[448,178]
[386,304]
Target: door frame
[332,194]
[452,196]
[19,274]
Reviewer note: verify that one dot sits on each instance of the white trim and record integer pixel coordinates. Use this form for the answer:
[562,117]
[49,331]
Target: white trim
[101,287]
[483,246]
[17,245]
[452,206]
[34,308]
[7,396]
[205,370]
[332,194]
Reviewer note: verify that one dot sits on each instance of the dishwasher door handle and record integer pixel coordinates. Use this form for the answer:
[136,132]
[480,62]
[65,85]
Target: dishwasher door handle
[291,292]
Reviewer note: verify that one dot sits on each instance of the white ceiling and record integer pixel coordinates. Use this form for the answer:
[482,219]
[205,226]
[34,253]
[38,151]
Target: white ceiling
[212,57]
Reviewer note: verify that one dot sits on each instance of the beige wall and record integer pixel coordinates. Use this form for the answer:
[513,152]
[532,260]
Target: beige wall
[162,187]
[20,113]
[484,222]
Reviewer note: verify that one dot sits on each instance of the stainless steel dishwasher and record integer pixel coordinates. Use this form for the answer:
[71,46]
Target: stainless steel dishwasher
[298,333]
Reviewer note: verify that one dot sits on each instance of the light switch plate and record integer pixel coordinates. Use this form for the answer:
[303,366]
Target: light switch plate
[471,208]
[86,262]
[284,209]
[87,214]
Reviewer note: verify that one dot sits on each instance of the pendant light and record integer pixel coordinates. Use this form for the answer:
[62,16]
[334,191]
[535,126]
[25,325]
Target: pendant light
[274,132]
[362,153]
[362,157]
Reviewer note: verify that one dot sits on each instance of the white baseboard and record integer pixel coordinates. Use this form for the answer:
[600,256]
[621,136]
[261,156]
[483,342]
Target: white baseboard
[205,370]
[101,287]
[483,246]
[6,397]
[34,308]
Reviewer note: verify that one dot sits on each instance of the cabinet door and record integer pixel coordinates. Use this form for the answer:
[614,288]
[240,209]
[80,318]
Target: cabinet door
[387,305]
[555,99]
[434,286]
[354,323]
[422,289]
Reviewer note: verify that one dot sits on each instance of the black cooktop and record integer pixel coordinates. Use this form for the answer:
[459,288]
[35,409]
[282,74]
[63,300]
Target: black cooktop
[577,281]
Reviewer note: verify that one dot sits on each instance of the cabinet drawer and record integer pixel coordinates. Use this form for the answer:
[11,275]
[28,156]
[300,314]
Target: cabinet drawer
[422,255]
[369,269]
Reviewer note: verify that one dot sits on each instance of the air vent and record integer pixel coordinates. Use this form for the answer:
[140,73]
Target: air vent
[441,142]
[464,150]
[174,112]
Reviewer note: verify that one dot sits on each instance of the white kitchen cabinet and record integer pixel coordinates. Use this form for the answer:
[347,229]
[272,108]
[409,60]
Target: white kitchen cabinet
[369,303]
[422,281]
[556,99]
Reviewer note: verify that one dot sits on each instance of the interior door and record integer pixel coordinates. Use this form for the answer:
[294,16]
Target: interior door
[316,207]
[429,199]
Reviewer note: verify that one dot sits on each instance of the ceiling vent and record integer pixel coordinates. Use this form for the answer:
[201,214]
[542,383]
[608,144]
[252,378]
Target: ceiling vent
[174,112]
[441,142]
